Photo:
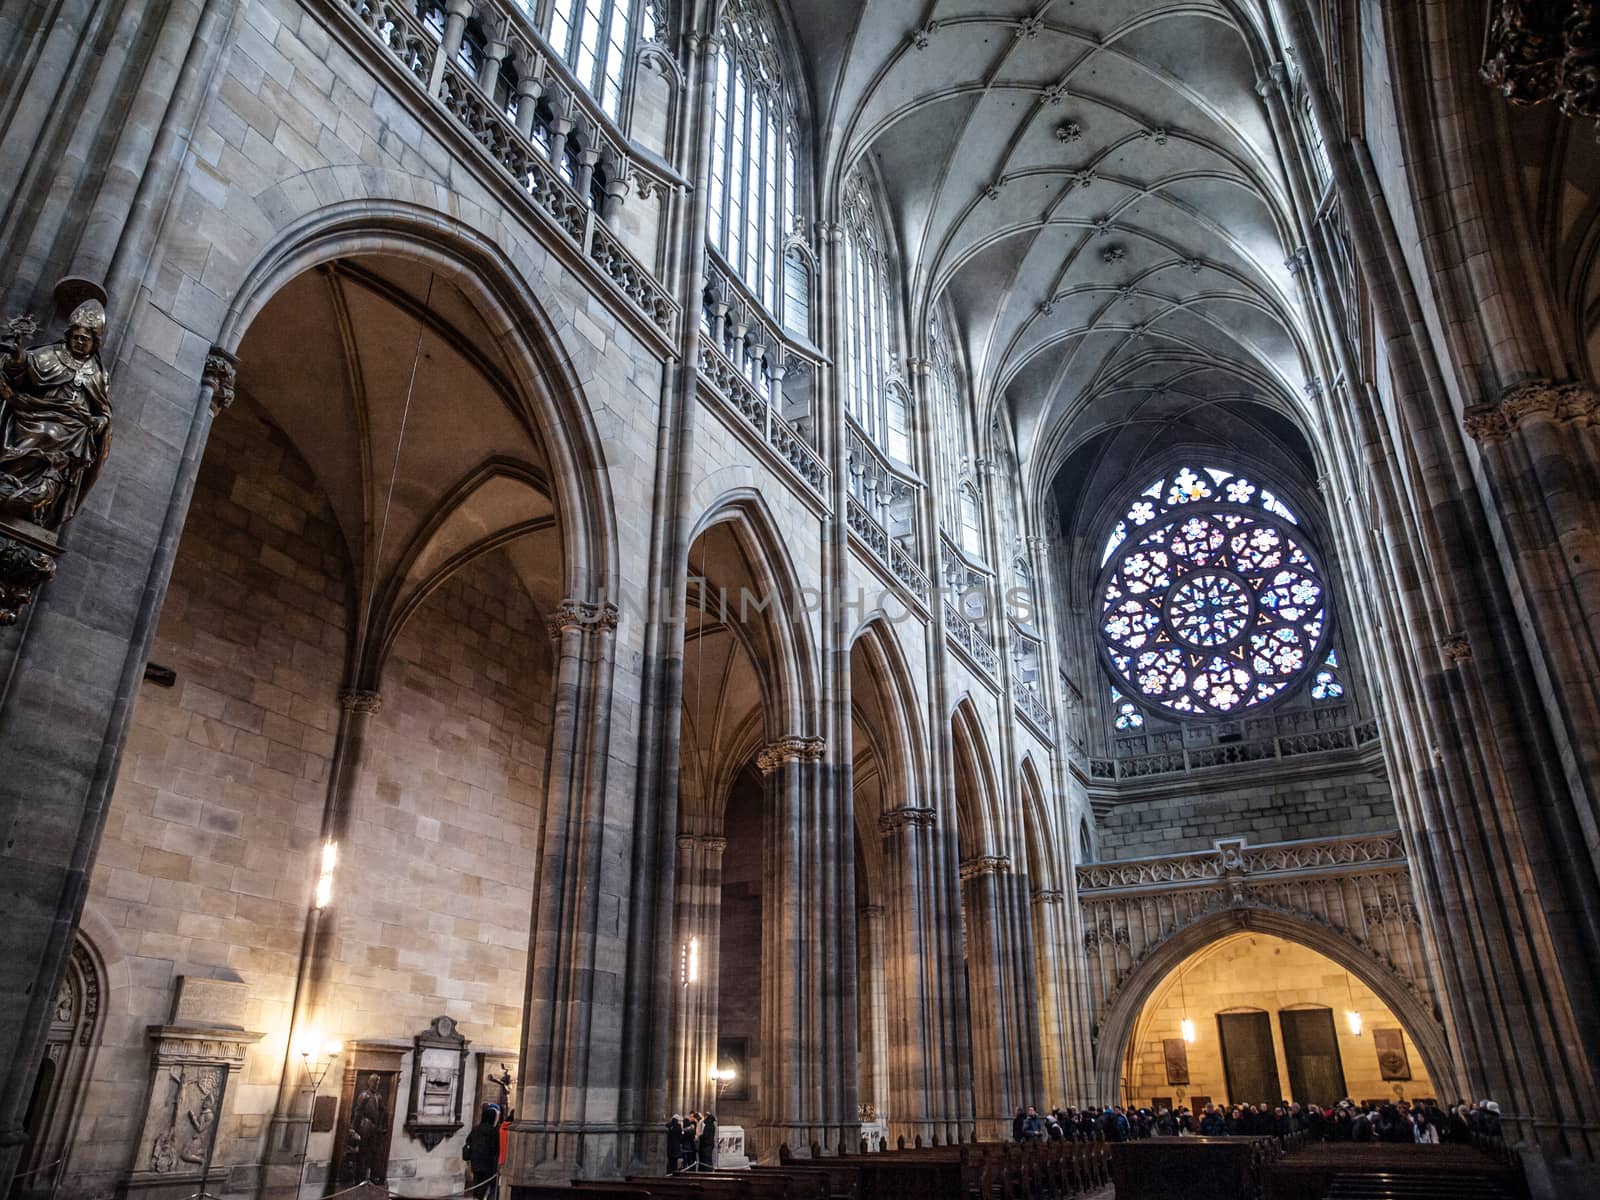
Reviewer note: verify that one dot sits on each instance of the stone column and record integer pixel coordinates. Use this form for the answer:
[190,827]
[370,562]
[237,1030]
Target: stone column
[289,1131]
[699,924]
[806,1096]
[1005,1033]
[65,712]
[929,1095]
[1051,948]
[873,1006]
[572,1023]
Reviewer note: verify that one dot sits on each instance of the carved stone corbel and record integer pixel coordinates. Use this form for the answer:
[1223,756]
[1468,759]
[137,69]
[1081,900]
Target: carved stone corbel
[220,374]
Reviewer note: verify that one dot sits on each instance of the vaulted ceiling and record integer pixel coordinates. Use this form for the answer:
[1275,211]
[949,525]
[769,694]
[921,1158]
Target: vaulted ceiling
[1091,183]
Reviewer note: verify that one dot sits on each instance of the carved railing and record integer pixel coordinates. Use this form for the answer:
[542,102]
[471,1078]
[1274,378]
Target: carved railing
[1358,888]
[883,513]
[972,639]
[1032,706]
[758,421]
[414,35]
[1289,735]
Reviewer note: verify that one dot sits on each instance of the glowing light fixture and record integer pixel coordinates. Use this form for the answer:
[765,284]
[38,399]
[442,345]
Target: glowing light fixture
[1185,1026]
[1352,1018]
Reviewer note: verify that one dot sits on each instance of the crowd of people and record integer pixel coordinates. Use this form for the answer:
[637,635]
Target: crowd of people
[691,1142]
[1400,1121]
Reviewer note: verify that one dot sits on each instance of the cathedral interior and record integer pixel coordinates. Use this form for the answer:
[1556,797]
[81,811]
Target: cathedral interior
[856,568]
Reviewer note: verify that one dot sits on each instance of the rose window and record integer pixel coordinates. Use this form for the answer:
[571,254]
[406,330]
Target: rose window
[1211,603]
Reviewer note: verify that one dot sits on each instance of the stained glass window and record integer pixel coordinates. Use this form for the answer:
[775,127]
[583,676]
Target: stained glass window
[1127,712]
[1212,601]
[1327,685]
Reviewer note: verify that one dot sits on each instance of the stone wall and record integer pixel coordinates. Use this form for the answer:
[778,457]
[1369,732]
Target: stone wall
[213,837]
[1272,811]
[206,865]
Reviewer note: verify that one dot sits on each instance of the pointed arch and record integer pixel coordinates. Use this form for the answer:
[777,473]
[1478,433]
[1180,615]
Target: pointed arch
[769,611]
[546,387]
[896,692]
[979,828]
[1122,1014]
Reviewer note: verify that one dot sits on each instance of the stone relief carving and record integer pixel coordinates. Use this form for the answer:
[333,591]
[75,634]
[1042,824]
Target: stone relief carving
[191,1120]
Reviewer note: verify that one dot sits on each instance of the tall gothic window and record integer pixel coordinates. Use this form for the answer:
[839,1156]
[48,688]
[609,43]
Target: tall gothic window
[876,399]
[596,38]
[754,186]
[1212,598]
[952,429]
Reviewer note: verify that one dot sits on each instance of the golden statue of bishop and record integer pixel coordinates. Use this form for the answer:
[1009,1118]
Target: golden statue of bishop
[55,419]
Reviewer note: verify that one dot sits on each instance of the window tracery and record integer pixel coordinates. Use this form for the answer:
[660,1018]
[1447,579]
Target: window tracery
[1212,600]
[596,39]
[755,193]
[874,394]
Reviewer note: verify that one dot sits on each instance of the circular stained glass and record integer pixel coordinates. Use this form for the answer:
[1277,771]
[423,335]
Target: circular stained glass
[1210,610]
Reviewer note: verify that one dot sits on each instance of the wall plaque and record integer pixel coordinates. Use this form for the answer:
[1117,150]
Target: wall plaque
[438,1069]
[1176,1053]
[1393,1061]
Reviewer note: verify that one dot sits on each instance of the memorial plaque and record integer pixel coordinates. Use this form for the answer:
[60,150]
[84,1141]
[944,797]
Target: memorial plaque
[1176,1053]
[202,1001]
[1393,1061]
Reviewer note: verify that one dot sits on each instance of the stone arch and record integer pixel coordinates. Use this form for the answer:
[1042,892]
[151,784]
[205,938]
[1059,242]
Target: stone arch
[547,387]
[789,653]
[1039,843]
[1117,1024]
[82,1008]
[881,651]
[979,828]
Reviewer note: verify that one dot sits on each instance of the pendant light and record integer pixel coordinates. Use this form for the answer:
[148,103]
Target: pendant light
[1352,1018]
[1185,1026]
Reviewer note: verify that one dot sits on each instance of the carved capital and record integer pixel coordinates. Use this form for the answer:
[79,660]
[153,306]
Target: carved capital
[897,819]
[582,616]
[985,864]
[360,701]
[1049,896]
[1532,398]
[792,748]
[1485,423]
[1456,649]
[220,374]
[706,841]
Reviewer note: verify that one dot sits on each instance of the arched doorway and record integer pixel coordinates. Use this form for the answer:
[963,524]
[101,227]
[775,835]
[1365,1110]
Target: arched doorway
[1270,1019]
[1388,999]
[53,1105]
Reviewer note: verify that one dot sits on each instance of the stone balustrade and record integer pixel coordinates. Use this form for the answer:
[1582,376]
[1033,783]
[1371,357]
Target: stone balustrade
[426,44]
